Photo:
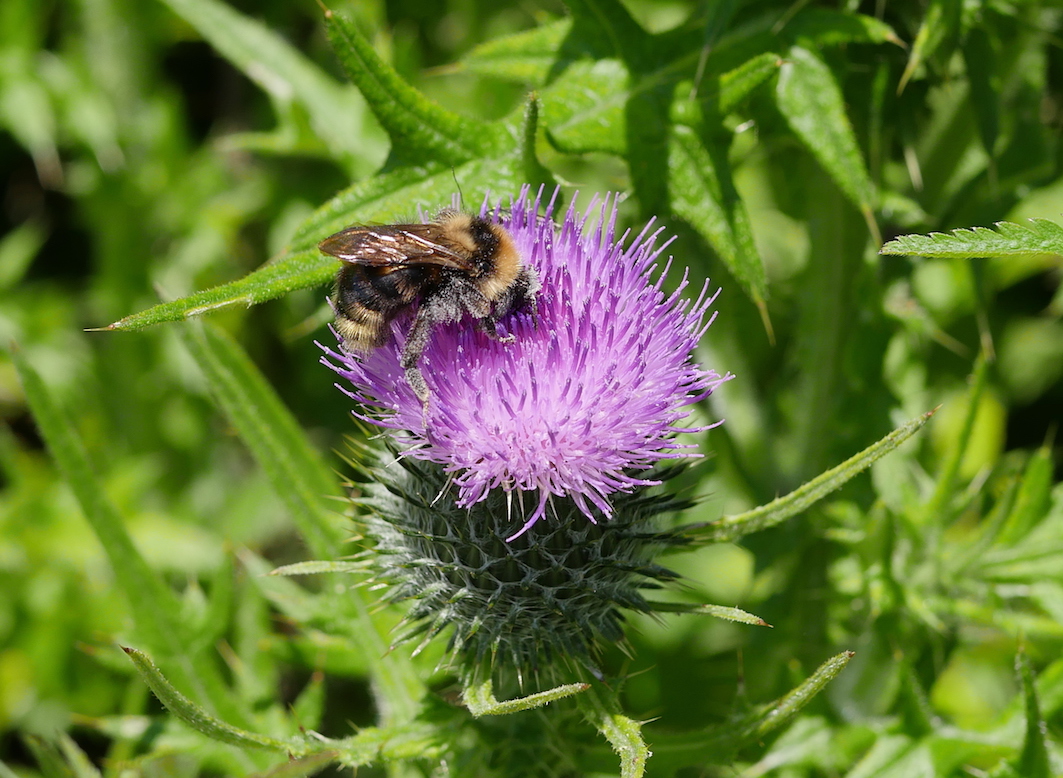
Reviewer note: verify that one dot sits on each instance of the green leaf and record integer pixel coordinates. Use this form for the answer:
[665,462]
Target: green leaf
[1039,237]
[421,131]
[77,759]
[149,599]
[896,756]
[346,613]
[336,113]
[1027,563]
[584,109]
[771,717]
[1032,501]
[718,95]
[809,97]
[821,27]
[301,479]
[199,719]
[702,193]
[935,510]
[719,611]
[731,528]
[528,57]
[588,107]
[736,85]
[1034,761]
[612,26]
[47,757]
[387,197]
[939,31]
[532,56]
[980,60]
[293,271]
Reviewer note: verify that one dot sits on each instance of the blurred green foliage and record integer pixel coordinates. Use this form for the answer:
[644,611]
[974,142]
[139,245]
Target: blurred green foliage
[151,150]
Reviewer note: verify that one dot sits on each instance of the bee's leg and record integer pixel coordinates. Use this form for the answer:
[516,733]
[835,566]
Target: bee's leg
[521,294]
[415,378]
[489,327]
[416,341]
[485,315]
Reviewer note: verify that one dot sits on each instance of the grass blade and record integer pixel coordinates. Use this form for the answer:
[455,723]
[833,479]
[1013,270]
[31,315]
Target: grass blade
[300,477]
[151,603]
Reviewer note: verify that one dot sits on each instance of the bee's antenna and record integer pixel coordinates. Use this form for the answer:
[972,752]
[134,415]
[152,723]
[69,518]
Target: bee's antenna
[461,197]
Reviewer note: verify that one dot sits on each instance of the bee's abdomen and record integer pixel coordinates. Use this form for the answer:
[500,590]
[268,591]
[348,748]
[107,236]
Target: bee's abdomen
[368,298]
[385,290]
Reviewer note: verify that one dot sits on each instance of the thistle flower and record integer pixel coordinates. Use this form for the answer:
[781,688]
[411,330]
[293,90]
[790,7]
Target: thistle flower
[578,414]
[583,405]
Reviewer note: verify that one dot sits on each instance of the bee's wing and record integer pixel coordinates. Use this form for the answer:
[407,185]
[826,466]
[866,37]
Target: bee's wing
[393,244]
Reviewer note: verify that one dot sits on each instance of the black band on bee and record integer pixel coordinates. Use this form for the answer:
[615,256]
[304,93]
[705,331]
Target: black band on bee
[485,237]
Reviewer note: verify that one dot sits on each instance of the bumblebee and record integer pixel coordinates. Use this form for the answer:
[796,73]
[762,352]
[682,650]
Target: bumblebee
[457,264]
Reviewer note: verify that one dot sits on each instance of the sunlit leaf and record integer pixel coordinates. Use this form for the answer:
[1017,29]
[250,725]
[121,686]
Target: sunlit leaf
[1040,236]
[529,56]
[421,131]
[719,744]
[809,97]
[832,27]
[702,193]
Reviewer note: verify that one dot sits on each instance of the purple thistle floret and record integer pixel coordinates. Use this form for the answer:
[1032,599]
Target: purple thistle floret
[587,396]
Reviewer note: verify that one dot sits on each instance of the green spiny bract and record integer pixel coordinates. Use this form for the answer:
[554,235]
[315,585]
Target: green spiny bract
[552,595]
